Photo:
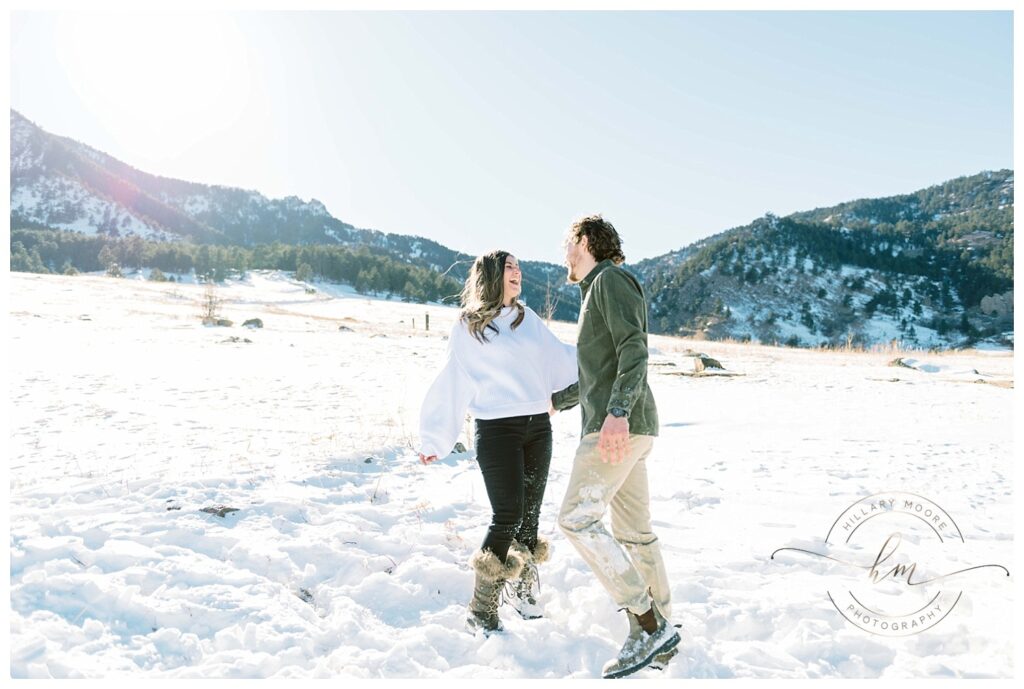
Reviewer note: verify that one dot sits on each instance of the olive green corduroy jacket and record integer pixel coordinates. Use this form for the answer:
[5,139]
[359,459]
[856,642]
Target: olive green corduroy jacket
[611,344]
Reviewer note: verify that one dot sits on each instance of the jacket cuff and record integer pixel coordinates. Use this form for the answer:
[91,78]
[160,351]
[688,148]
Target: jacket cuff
[623,399]
[567,398]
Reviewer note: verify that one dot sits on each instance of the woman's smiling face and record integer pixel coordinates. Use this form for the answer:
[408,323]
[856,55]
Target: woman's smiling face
[513,283]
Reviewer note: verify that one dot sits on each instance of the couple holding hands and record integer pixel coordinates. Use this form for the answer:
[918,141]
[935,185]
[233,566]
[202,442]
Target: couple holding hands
[510,371]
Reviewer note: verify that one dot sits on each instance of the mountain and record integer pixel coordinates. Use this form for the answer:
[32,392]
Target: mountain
[57,182]
[933,268]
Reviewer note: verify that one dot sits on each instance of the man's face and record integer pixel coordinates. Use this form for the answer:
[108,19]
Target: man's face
[573,254]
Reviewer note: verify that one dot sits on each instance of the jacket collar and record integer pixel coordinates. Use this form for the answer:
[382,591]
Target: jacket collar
[594,272]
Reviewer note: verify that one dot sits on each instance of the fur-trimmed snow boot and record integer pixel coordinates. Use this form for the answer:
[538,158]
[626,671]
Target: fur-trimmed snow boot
[491,575]
[526,588]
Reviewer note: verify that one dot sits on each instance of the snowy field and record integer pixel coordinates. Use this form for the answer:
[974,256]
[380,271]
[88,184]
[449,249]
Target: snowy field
[347,557]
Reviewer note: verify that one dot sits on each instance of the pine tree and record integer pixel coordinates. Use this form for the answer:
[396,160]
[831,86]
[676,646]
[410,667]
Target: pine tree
[107,257]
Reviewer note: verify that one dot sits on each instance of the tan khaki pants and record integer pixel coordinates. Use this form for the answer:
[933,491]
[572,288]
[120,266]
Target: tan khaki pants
[627,561]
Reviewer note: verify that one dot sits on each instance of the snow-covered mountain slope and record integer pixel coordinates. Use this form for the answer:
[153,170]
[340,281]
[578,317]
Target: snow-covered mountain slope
[917,267]
[59,182]
[931,269]
[62,183]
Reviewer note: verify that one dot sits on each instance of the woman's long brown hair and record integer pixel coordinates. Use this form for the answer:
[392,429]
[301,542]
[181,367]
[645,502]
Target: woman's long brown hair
[482,295]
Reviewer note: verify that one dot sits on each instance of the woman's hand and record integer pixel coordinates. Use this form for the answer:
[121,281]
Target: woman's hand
[551,409]
[424,459]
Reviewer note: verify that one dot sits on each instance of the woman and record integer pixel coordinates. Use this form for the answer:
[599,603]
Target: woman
[503,364]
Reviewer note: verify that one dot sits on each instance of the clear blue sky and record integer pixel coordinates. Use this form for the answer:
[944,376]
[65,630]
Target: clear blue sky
[496,129]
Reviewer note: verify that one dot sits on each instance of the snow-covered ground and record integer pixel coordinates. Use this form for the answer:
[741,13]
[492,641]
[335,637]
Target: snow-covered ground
[347,557]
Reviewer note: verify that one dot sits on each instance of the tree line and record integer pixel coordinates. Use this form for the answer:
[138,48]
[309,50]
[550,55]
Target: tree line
[37,250]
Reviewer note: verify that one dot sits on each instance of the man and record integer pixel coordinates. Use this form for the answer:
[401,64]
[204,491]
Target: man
[620,422]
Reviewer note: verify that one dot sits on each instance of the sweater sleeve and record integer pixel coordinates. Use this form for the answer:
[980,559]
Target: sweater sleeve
[444,406]
[560,359]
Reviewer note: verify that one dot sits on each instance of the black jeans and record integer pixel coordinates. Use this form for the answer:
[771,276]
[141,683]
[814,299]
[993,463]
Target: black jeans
[514,454]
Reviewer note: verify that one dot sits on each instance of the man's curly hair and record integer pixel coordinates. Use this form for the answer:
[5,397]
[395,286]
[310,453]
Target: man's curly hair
[602,239]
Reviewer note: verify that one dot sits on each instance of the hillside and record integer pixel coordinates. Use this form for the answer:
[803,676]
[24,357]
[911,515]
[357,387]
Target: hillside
[60,183]
[932,268]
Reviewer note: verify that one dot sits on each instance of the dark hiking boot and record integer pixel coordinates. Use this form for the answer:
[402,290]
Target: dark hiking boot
[491,575]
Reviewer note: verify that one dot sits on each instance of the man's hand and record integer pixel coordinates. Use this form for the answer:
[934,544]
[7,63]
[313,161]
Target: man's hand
[614,441]
[427,460]
[551,409]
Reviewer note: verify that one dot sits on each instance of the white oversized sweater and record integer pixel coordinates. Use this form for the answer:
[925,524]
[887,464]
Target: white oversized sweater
[513,374]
